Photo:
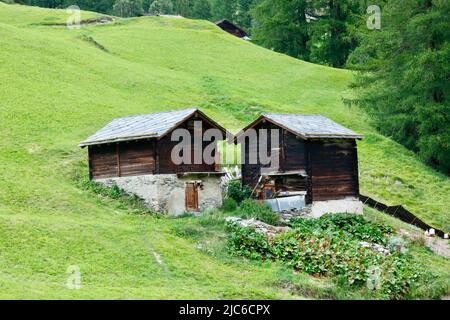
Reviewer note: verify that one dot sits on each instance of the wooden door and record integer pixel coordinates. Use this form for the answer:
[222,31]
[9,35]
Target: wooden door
[191,197]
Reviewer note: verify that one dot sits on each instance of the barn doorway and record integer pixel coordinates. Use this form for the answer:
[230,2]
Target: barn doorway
[191,197]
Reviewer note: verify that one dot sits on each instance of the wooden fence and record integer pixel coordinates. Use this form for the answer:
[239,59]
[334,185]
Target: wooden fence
[400,213]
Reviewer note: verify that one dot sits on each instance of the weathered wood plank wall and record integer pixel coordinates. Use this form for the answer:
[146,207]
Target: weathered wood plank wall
[122,159]
[331,165]
[293,152]
[292,155]
[165,146]
[333,169]
[102,161]
[146,156]
[137,158]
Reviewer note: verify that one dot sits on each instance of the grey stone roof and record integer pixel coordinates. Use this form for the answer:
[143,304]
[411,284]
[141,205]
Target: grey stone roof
[138,127]
[312,126]
[304,125]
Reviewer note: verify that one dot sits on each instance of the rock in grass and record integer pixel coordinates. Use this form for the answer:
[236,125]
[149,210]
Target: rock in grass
[259,226]
[375,247]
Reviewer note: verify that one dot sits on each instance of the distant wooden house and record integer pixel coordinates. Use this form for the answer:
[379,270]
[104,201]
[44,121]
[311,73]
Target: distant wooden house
[317,159]
[232,29]
[134,153]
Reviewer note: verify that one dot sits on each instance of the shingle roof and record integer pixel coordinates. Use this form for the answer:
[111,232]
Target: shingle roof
[139,127]
[309,125]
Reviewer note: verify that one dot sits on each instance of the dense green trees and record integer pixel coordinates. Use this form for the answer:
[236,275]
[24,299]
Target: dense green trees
[405,85]
[321,31]
[242,13]
[281,25]
[161,7]
[333,35]
[104,6]
[128,8]
[222,9]
[183,7]
[237,11]
[201,9]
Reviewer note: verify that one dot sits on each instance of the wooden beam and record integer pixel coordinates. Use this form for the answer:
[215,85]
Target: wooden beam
[156,155]
[309,188]
[118,160]
[356,168]
[90,163]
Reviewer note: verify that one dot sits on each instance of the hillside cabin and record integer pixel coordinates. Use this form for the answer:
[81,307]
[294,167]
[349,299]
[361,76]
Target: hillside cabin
[316,163]
[233,29]
[135,153]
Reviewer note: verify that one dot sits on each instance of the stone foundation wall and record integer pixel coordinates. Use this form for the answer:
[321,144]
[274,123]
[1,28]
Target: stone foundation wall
[347,205]
[165,193]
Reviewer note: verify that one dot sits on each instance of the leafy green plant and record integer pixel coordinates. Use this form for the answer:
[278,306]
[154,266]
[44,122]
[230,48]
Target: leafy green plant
[354,226]
[330,247]
[229,205]
[247,242]
[251,209]
[237,192]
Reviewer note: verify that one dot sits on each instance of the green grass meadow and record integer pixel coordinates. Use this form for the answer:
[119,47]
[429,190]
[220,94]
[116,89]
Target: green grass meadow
[57,87]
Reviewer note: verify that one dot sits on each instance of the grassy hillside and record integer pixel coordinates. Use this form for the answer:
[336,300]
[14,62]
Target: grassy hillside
[57,86]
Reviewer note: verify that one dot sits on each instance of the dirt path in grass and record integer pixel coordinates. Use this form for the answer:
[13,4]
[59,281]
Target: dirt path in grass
[439,246]
[91,21]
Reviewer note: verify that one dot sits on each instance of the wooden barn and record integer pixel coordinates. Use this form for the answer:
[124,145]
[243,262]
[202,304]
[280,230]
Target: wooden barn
[231,28]
[317,160]
[135,153]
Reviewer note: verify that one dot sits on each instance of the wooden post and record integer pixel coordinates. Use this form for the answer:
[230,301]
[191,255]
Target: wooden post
[309,188]
[156,155]
[90,163]
[118,159]
[356,169]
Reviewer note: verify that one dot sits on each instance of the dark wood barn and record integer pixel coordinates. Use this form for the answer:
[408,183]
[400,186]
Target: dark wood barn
[140,145]
[231,28]
[317,157]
